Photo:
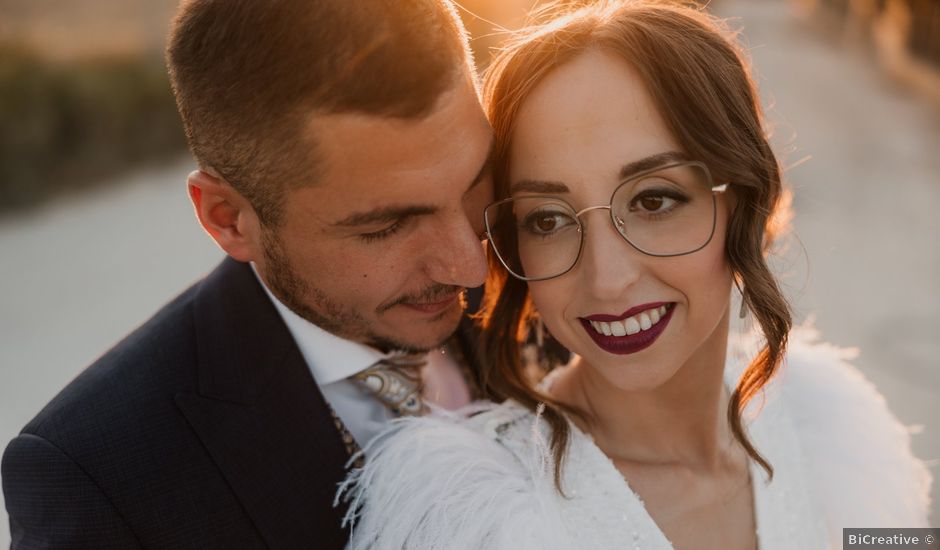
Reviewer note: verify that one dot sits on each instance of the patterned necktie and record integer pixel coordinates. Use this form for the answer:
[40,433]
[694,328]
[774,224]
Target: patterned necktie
[396,383]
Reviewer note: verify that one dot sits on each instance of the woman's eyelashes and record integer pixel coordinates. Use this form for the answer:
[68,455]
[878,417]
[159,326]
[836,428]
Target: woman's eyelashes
[546,222]
[649,203]
[656,202]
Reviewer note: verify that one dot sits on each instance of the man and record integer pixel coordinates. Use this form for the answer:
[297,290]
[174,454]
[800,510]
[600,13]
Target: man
[344,167]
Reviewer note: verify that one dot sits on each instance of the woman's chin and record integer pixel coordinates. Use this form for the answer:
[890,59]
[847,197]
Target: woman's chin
[628,374]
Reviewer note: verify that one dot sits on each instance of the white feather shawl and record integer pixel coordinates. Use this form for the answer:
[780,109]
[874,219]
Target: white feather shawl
[455,481]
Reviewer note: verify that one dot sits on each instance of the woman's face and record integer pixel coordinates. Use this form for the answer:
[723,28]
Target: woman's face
[578,134]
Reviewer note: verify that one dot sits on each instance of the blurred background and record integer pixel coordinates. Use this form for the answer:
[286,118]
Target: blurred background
[96,231]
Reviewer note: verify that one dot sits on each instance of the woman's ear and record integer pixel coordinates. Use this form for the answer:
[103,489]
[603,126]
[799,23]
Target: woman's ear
[226,215]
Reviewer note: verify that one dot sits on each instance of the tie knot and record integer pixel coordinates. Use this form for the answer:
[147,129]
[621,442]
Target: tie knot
[414,360]
[396,382]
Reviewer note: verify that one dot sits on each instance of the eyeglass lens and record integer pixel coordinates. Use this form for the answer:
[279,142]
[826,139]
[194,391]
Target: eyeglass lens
[668,212]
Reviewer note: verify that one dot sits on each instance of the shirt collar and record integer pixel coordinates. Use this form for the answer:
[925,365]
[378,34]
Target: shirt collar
[329,357]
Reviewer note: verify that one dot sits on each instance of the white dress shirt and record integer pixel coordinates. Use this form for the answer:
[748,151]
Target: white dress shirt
[332,360]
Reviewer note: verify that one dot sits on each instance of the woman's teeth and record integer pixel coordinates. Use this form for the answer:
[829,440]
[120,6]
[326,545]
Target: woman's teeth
[630,325]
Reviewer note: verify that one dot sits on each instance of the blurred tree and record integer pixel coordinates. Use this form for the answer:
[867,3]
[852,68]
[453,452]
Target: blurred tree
[67,125]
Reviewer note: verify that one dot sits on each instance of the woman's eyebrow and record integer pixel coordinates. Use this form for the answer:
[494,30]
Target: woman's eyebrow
[651,162]
[626,171]
[538,186]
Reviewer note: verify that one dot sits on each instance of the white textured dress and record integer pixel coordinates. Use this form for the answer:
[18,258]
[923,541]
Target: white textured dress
[454,482]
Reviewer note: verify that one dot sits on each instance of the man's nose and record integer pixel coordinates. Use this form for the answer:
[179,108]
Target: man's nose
[457,257]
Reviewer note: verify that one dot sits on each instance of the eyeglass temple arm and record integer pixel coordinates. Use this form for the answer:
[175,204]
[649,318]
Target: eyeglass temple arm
[720,188]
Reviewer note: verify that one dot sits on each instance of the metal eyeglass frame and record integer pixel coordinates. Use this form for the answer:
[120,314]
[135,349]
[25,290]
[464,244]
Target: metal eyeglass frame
[618,223]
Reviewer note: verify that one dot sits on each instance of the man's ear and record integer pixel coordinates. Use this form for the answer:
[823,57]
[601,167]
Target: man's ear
[226,216]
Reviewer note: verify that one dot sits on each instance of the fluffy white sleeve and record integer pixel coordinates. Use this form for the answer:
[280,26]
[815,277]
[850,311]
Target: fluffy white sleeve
[437,483]
[859,454]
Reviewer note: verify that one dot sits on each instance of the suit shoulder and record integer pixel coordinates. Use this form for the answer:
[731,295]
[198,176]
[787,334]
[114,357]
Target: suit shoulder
[35,471]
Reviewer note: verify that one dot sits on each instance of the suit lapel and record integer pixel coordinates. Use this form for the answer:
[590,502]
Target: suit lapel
[261,415]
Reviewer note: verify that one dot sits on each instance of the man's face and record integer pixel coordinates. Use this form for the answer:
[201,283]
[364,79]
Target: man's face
[380,247]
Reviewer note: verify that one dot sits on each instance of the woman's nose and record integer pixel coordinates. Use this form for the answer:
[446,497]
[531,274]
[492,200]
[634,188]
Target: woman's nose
[608,263]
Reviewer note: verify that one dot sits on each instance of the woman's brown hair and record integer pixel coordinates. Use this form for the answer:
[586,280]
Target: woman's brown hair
[701,84]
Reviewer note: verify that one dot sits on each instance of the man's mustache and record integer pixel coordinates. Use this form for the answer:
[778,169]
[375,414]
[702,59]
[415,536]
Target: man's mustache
[429,295]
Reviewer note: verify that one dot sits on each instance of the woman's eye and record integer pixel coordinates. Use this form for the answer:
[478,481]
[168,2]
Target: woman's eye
[655,203]
[544,223]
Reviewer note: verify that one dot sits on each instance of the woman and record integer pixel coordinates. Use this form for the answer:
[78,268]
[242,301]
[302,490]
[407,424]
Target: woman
[635,188]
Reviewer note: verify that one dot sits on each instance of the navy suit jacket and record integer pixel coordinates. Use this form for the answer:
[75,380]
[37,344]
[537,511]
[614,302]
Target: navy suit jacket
[202,429]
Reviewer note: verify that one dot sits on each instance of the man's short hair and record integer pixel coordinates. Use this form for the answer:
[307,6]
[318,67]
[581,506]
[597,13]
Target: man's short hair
[249,74]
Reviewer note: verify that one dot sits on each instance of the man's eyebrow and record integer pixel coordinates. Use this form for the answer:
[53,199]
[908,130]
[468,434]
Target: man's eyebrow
[390,214]
[487,166]
[385,214]
[651,162]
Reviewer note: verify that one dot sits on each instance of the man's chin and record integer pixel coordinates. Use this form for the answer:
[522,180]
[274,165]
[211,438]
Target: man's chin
[419,333]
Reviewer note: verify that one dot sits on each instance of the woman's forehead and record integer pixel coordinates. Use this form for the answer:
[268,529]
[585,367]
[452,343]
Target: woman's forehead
[587,118]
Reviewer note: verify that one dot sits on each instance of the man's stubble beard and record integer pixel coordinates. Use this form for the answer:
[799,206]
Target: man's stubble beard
[322,310]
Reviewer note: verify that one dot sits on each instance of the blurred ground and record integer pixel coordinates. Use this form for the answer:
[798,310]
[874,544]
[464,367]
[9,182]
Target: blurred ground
[80,273]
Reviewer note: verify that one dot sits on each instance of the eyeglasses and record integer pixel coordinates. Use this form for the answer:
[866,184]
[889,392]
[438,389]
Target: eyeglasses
[667,211]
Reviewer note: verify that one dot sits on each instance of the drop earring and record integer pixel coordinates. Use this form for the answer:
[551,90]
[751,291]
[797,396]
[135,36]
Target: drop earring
[541,351]
[742,313]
